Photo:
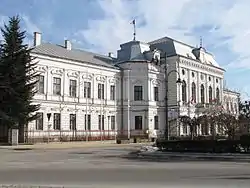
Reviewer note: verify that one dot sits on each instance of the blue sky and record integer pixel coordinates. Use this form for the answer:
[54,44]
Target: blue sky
[102,25]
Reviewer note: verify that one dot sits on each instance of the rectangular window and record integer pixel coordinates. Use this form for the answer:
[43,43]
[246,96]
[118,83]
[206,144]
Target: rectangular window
[87,122]
[57,86]
[138,122]
[87,89]
[138,93]
[57,121]
[101,122]
[156,93]
[100,91]
[156,122]
[39,121]
[72,88]
[112,122]
[72,121]
[40,84]
[112,92]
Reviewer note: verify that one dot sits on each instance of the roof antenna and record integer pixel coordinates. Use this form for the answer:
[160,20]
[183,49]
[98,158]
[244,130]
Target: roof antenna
[200,41]
[133,22]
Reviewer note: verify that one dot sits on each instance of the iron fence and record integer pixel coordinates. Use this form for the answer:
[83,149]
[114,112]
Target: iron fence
[36,136]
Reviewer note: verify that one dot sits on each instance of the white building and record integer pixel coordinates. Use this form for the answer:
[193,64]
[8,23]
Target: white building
[91,96]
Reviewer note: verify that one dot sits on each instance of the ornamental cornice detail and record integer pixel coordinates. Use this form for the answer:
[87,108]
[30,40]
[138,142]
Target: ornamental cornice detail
[100,78]
[57,71]
[74,74]
[87,76]
[201,66]
[156,81]
[41,68]
[113,80]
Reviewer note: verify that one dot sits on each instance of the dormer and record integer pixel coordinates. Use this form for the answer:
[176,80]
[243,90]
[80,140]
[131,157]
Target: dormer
[132,51]
[153,56]
[200,54]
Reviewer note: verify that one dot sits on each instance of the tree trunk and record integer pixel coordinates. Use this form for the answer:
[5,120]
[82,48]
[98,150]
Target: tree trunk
[21,133]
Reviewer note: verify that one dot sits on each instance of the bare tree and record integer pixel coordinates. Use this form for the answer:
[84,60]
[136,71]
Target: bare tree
[192,123]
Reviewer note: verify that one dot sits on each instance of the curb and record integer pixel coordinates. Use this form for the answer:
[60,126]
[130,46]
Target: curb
[67,145]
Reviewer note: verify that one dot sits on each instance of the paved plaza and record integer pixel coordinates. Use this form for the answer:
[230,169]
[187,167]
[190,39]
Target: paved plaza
[107,166]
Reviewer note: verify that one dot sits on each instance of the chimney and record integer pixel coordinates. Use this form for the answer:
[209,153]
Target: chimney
[37,38]
[68,44]
[111,54]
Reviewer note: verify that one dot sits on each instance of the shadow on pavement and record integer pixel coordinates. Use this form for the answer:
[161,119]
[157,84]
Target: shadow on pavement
[137,157]
[22,149]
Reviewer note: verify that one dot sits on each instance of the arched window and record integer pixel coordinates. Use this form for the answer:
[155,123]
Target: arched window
[202,94]
[210,94]
[193,92]
[184,91]
[217,95]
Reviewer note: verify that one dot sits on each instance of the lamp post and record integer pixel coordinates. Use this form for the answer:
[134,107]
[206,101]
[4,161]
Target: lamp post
[167,74]
[128,90]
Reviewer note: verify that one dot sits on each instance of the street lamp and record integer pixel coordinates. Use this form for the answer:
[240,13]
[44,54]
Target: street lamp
[178,81]
[128,90]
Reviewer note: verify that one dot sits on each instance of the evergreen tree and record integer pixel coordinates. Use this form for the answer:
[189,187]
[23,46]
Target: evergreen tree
[17,76]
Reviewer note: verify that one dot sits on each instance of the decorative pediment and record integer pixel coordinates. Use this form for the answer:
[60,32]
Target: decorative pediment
[134,82]
[113,79]
[100,78]
[41,68]
[156,82]
[87,76]
[74,74]
[57,71]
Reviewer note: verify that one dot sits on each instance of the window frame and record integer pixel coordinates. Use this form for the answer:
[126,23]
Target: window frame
[72,88]
[156,93]
[138,122]
[112,92]
[87,90]
[138,93]
[72,122]
[39,121]
[100,91]
[41,84]
[57,87]
[57,122]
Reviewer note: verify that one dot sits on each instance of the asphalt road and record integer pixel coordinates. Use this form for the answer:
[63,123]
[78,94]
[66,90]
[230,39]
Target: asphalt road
[106,167]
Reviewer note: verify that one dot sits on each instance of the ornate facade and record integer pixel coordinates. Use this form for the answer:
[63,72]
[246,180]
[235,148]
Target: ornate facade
[90,95]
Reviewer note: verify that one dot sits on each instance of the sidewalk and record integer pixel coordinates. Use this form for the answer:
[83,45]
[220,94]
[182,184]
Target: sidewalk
[68,145]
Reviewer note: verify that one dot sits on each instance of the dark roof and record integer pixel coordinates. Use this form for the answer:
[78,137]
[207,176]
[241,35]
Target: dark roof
[59,51]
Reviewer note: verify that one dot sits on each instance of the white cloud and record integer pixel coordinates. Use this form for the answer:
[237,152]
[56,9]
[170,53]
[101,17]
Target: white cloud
[229,18]
[29,26]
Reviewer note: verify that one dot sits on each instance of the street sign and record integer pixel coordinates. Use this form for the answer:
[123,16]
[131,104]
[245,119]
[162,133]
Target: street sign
[48,116]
